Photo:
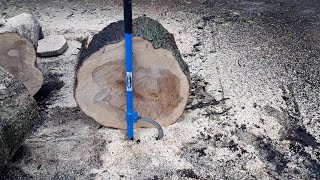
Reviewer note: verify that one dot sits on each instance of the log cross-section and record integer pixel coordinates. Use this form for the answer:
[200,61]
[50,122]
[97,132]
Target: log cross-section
[161,77]
[18,57]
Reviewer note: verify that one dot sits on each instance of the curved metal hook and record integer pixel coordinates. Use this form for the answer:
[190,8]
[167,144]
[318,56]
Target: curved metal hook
[154,123]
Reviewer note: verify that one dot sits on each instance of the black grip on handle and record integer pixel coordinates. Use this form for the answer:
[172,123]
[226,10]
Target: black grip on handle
[127,16]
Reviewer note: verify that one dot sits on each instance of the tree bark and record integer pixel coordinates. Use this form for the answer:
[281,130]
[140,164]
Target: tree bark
[25,25]
[161,77]
[18,114]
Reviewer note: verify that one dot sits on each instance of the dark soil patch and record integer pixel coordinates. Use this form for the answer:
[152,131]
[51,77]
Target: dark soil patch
[271,154]
[188,173]
[51,85]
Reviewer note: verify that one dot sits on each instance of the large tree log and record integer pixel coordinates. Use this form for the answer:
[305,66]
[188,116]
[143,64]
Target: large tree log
[18,114]
[25,25]
[18,57]
[161,77]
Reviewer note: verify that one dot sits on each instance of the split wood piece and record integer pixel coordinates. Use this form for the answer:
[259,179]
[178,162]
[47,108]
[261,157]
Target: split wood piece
[52,45]
[18,115]
[18,57]
[161,77]
[25,25]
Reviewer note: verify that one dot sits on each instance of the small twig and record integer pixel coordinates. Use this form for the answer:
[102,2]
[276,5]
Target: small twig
[208,114]
[206,104]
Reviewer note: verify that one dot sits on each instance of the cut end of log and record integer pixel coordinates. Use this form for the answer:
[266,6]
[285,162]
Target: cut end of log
[161,85]
[52,45]
[18,57]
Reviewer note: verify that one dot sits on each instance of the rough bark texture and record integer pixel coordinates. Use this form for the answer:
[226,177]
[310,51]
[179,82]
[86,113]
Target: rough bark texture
[161,77]
[143,27]
[25,25]
[18,113]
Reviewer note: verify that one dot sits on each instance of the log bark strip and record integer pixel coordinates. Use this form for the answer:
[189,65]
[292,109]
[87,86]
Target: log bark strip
[143,27]
[161,77]
[18,115]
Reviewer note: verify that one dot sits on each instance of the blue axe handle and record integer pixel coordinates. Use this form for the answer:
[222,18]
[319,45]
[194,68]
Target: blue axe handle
[131,116]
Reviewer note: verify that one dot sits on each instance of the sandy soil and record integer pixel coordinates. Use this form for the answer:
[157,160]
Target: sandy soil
[260,57]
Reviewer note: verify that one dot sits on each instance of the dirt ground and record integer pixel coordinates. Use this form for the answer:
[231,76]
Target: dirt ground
[258,62]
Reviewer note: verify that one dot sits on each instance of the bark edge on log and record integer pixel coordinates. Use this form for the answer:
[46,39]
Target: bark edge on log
[144,29]
[19,114]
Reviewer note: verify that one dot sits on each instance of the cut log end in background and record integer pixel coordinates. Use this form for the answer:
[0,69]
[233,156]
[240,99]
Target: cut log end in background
[18,57]
[161,77]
